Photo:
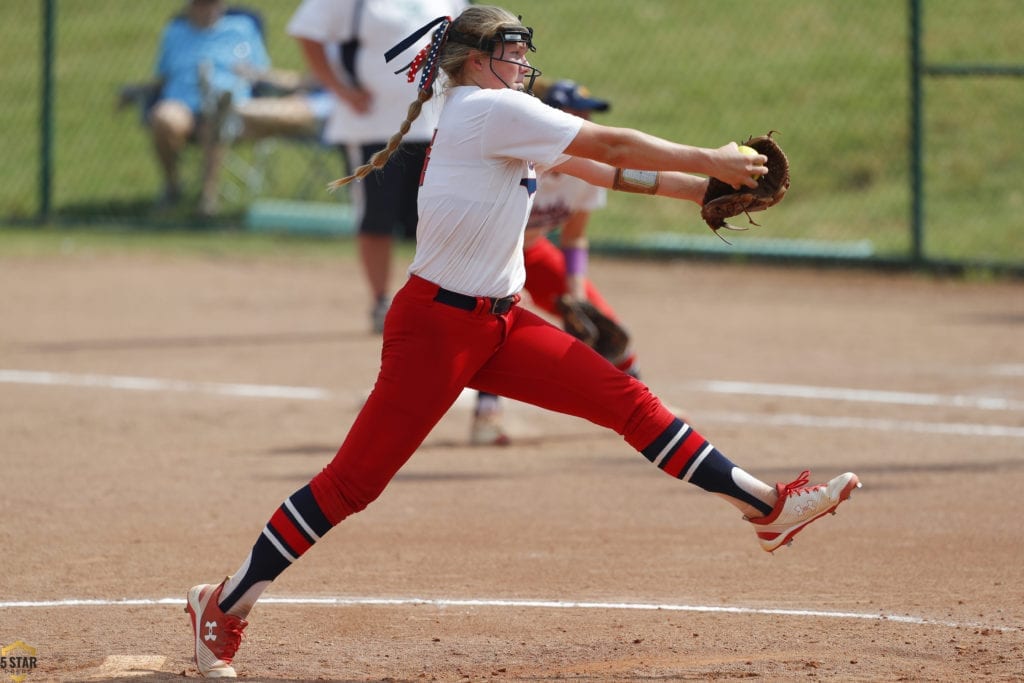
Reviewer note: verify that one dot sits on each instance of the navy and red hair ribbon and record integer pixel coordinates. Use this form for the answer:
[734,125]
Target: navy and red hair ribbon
[426,60]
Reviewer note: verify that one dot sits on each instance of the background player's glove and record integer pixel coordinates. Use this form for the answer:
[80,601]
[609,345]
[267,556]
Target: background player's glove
[585,322]
[722,201]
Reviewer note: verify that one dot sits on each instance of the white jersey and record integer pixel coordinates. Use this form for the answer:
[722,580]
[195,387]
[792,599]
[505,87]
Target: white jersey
[478,187]
[560,195]
[381,25]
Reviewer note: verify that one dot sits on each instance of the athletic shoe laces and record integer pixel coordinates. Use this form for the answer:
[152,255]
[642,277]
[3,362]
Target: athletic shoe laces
[231,633]
[798,486]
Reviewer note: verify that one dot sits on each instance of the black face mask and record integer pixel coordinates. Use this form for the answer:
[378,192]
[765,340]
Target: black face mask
[512,34]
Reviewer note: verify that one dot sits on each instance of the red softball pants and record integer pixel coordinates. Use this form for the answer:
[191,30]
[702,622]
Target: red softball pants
[432,351]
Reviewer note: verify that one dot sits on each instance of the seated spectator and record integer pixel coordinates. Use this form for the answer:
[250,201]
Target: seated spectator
[207,63]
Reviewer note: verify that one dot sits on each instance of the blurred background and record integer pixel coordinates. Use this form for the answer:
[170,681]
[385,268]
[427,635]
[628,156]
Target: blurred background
[902,120]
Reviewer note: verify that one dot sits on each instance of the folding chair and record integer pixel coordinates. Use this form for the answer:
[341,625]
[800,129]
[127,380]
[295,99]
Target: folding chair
[246,169]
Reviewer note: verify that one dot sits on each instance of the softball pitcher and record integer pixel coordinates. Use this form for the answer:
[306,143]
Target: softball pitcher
[459,311]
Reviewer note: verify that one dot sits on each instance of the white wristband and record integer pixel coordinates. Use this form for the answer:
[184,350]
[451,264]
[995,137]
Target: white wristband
[641,182]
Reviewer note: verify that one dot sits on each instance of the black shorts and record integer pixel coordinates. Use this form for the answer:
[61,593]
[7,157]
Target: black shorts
[389,195]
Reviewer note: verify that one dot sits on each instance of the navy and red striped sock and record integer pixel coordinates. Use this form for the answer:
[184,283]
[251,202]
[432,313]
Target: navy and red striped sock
[680,451]
[291,531]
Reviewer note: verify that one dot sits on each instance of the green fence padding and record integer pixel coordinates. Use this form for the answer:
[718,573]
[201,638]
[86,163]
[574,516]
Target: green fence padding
[287,216]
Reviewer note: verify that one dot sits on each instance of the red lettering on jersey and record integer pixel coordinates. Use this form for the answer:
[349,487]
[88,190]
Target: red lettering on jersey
[426,159]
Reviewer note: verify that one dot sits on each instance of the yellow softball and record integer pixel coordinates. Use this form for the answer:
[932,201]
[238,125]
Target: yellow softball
[750,152]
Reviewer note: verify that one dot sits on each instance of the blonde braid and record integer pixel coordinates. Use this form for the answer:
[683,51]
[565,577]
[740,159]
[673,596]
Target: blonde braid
[378,160]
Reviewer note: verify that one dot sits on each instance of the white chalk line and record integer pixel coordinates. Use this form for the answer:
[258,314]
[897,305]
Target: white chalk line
[870,424]
[129,383]
[515,604]
[152,384]
[319,394]
[858,395]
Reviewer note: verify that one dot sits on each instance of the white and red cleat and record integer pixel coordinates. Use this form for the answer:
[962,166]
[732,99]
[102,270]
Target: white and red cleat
[799,505]
[217,634]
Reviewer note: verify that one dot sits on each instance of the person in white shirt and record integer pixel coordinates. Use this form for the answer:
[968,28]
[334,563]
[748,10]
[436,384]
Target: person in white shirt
[343,43]
[456,323]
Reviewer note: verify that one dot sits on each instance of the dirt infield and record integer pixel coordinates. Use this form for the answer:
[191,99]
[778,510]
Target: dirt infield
[156,409]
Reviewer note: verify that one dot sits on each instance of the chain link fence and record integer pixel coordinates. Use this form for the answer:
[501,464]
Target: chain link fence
[834,78]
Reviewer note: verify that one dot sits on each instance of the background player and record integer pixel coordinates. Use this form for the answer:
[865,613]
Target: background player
[563,203]
[343,42]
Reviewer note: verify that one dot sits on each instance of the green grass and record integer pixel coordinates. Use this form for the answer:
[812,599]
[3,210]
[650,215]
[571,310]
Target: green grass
[23,242]
[830,75]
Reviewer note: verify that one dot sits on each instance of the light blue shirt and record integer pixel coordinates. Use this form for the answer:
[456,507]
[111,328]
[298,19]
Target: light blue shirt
[233,40]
